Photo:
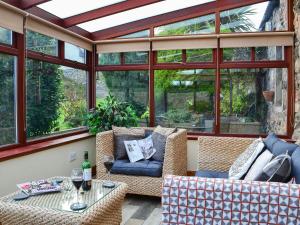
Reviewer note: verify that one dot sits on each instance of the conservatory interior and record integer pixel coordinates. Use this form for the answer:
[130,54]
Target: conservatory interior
[183,112]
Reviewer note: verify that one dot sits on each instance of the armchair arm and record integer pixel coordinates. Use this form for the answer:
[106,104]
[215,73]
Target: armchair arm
[195,200]
[104,146]
[175,159]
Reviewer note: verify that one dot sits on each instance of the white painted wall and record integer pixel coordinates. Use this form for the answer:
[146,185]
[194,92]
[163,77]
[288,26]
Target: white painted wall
[55,162]
[47,163]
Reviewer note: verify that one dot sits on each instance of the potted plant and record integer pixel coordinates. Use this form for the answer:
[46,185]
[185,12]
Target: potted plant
[268,95]
[111,112]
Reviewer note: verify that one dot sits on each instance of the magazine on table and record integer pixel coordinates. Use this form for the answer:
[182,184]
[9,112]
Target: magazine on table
[39,187]
[139,149]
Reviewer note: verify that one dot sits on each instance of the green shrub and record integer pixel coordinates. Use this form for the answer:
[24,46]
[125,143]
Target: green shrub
[111,112]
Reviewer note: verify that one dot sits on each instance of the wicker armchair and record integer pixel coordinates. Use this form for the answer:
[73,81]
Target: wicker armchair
[175,163]
[201,200]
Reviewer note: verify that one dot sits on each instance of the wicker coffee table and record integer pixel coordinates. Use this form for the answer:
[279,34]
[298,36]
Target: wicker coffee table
[104,207]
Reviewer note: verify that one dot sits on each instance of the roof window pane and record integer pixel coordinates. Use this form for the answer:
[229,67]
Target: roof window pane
[199,25]
[139,34]
[265,16]
[67,8]
[143,12]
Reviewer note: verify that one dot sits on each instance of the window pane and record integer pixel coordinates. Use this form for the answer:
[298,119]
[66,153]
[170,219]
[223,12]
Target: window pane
[185,98]
[109,59]
[236,54]
[56,98]
[75,53]
[129,86]
[265,16]
[41,43]
[5,36]
[169,56]
[136,57]
[245,106]
[199,55]
[140,34]
[199,25]
[7,99]
[269,53]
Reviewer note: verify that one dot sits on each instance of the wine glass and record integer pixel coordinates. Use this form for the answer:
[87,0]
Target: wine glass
[108,161]
[77,180]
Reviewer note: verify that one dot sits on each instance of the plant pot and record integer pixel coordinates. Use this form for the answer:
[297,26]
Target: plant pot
[268,95]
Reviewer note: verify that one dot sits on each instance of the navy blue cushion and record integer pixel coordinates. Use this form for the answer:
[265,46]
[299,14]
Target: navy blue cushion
[296,165]
[277,146]
[211,174]
[148,168]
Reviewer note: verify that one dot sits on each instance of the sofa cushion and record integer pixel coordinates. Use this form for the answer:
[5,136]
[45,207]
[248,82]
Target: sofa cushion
[122,134]
[278,169]
[296,165]
[148,168]
[256,169]
[159,137]
[245,160]
[159,144]
[211,174]
[278,146]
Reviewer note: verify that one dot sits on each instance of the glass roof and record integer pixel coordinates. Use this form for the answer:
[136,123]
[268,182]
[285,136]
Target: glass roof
[67,8]
[138,13]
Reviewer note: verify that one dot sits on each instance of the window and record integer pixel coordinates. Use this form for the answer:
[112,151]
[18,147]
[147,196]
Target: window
[139,34]
[199,25]
[56,98]
[269,53]
[236,54]
[129,86]
[75,53]
[5,36]
[41,43]
[7,99]
[244,107]
[169,56]
[199,55]
[109,59]
[185,98]
[136,57]
[265,16]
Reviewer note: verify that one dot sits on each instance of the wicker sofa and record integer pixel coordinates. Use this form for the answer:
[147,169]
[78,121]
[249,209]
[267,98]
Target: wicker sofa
[207,200]
[175,162]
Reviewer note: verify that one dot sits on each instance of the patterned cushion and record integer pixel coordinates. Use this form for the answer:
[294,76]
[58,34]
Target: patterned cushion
[196,200]
[242,164]
[122,134]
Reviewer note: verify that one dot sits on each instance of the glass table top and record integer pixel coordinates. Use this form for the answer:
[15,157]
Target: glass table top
[64,199]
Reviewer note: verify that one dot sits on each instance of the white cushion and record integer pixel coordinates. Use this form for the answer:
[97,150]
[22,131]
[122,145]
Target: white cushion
[242,164]
[256,169]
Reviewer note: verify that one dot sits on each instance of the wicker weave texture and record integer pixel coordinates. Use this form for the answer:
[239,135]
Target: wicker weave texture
[107,211]
[218,153]
[175,163]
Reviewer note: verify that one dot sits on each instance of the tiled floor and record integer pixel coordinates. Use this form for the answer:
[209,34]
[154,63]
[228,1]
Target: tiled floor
[141,210]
